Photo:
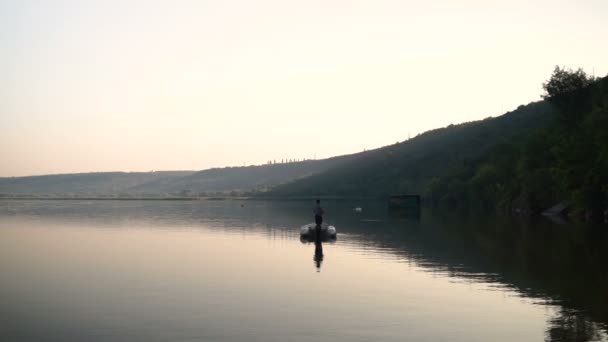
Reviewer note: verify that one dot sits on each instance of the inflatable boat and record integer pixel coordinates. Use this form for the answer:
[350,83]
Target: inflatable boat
[309,232]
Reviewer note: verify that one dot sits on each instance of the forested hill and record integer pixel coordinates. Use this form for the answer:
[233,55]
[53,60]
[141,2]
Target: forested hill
[237,180]
[529,159]
[545,153]
[211,182]
[565,162]
[410,166]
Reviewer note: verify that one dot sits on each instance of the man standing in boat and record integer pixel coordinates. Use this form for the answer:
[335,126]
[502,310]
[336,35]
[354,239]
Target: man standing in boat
[318,211]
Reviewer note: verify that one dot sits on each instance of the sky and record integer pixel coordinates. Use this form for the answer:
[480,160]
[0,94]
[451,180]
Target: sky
[187,85]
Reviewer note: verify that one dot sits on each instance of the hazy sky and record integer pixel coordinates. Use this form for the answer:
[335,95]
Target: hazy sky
[159,85]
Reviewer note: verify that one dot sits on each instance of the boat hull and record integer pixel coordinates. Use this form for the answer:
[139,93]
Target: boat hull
[310,232]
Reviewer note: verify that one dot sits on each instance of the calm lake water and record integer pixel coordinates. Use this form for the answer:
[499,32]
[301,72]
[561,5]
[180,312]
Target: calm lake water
[237,271]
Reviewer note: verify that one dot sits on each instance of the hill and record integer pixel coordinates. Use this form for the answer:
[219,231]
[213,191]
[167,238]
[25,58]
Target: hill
[83,184]
[565,162]
[239,179]
[164,183]
[549,152]
[411,166]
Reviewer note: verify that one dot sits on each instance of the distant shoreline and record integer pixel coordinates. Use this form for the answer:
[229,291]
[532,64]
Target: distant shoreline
[120,198]
[211,198]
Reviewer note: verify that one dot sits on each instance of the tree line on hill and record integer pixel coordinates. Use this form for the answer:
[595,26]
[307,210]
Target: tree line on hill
[527,160]
[410,166]
[565,161]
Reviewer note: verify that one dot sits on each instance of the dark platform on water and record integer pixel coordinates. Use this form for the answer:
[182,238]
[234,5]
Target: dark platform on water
[408,205]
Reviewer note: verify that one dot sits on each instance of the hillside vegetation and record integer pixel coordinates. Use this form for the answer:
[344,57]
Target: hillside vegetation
[547,152]
[566,161]
[410,166]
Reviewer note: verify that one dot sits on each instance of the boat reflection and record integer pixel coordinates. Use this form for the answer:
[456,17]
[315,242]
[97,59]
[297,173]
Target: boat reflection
[318,237]
[318,254]
[306,239]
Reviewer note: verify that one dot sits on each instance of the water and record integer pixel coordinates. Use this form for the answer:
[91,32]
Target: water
[237,271]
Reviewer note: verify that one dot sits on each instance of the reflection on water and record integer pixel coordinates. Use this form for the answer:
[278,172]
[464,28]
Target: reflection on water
[318,254]
[570,325]
[318,236]
[217,270]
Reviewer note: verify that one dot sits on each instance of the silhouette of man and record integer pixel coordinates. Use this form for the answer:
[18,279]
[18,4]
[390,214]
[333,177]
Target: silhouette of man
[318,211]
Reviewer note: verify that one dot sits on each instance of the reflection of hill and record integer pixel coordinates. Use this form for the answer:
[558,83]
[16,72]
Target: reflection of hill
[564,265]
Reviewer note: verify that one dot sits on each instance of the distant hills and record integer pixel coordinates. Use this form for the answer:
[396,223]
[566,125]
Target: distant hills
[541,154]
[83,184]
[211,182]
[406,167]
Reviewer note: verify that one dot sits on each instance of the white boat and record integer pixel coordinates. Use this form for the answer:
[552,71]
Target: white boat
[311,229]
